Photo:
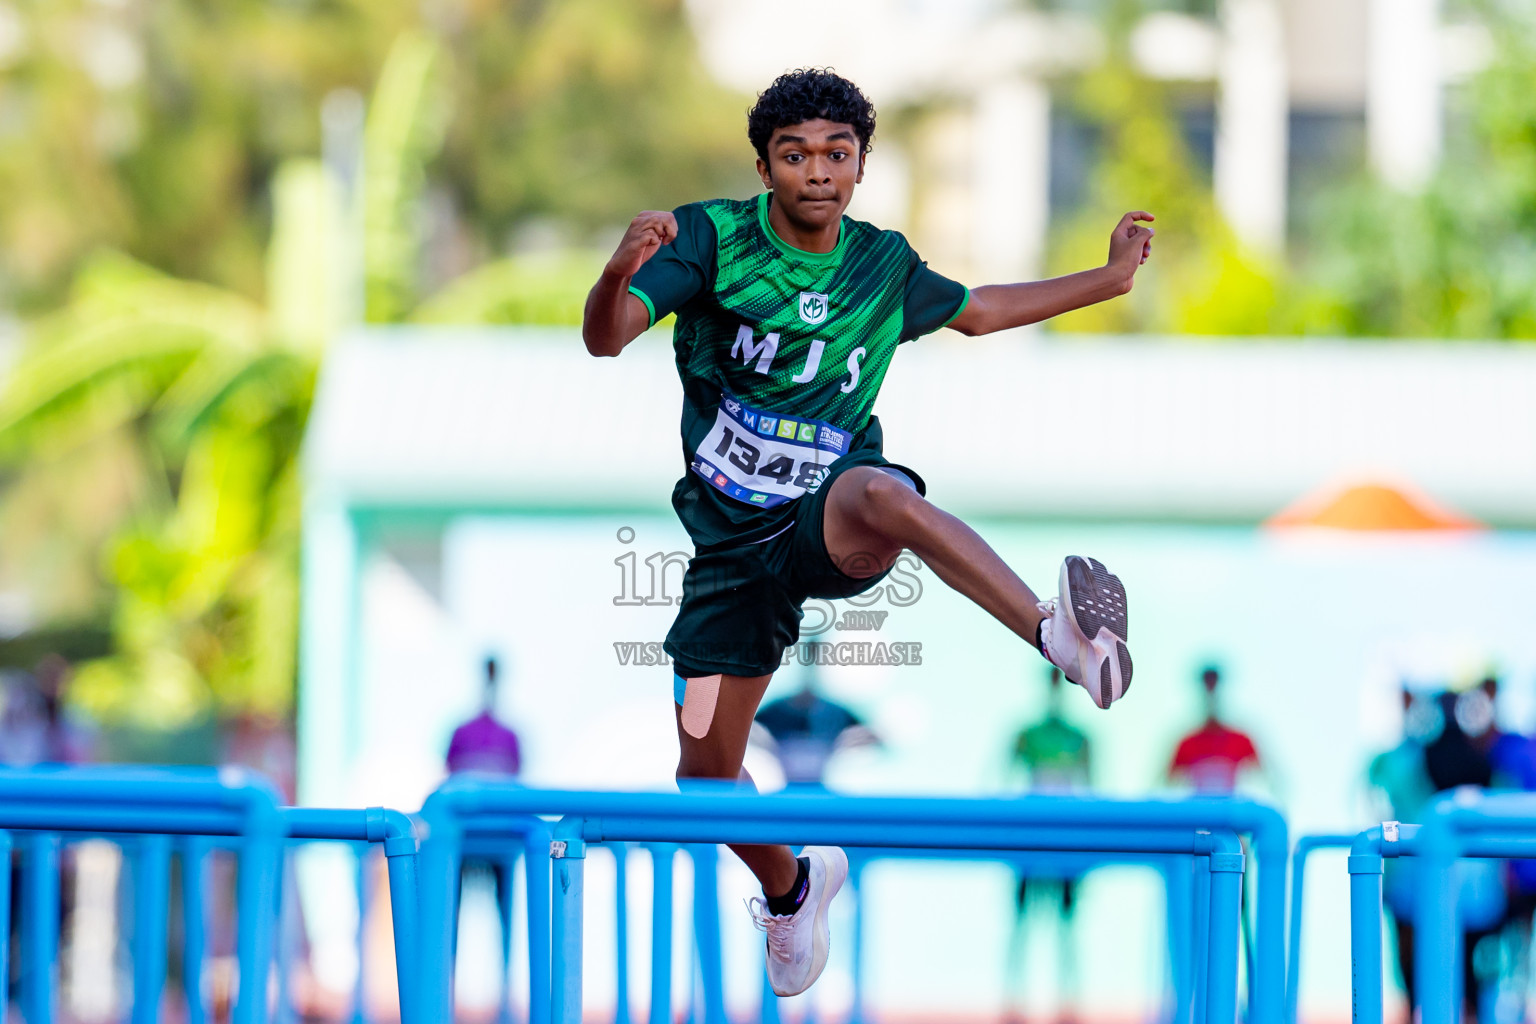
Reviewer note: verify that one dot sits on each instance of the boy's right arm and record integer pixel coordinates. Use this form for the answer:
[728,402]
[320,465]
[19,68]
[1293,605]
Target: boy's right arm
[614,317]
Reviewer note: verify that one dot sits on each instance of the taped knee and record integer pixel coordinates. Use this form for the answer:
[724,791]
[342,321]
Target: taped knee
[697,697]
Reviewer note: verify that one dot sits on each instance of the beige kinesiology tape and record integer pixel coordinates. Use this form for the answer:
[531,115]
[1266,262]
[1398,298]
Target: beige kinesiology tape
[699,698]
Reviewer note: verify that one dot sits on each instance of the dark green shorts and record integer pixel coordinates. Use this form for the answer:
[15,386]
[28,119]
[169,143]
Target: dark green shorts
[741,602]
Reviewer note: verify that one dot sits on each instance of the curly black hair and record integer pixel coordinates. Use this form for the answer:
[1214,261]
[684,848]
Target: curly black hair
[806,94]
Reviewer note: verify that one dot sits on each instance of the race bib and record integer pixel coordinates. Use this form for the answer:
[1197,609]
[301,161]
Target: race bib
[764,459]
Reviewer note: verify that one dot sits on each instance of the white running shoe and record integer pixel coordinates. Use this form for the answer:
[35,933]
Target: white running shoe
[1085,630]
[798,942]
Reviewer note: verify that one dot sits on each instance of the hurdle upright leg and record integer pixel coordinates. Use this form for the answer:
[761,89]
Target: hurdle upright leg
[1178,878]
[662,856]
[1226,872]
[1438,939]
[151,900]
[507,864]
[568,853]
[403,909]
[1365,936]
[5,912]
[537,868]
[706,929]
[287,923]
[39,925]
[1200,939]
[440,862]
[259,876]
[194,925]
[621,930]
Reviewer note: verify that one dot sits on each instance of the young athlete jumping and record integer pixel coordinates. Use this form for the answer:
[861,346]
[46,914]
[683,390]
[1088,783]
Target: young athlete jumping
[788,314]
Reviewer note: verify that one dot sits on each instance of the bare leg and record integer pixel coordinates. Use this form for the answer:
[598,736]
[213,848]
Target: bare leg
[718,755]
[872,514]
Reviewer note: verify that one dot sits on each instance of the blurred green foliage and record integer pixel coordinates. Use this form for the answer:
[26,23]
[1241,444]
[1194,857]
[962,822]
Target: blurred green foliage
[207,394]
[1458,259]
[1201,279]
[1453,261]
[536,288]
[156,128]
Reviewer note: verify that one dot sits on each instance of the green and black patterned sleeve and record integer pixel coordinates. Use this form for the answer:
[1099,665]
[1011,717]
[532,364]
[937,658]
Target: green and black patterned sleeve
[681,269]
[932,301]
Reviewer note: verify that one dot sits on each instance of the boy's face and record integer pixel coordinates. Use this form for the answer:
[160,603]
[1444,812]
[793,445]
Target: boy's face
[812,168]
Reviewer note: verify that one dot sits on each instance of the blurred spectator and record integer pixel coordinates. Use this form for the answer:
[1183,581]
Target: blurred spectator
[484,744]
[1211,757]
[1054,754]
[805,729]
[1401,776]
[1400,773]
[1512,764]
[1511,755]
[1449,733]
[33,727]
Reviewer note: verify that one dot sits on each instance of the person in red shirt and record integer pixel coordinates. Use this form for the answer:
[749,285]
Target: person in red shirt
[1211,756]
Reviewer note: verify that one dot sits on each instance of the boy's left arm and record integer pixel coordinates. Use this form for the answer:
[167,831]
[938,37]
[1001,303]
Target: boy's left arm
[997,307]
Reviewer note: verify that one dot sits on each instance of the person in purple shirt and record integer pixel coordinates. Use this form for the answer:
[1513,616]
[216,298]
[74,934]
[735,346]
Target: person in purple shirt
[483,744]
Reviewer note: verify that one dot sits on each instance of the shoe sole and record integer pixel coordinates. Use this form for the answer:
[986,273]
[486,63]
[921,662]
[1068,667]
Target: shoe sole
[1096,605]
[835,861]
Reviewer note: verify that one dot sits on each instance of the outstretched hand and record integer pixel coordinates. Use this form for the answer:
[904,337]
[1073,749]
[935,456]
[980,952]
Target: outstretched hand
[648,232]
[1130,244]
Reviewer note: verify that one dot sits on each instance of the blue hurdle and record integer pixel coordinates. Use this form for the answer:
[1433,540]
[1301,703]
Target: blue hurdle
[1457,825]
[504,837]
[1187,925]
[145,803]
[1198,827]
[154,813]
[1305,847]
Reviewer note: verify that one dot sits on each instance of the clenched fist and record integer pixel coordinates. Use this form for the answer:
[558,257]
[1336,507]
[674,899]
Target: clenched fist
[648,232]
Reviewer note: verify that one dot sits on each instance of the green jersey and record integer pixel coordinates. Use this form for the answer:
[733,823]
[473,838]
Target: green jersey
[1055,753]
[781,354]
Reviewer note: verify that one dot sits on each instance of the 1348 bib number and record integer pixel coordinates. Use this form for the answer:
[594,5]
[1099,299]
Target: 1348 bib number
[765,459]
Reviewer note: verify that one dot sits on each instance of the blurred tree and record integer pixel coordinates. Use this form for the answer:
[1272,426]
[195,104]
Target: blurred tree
[156,128]
[534,288]
[1201,279]
[586,111]
[1458,259]
[209,393]
[203,396]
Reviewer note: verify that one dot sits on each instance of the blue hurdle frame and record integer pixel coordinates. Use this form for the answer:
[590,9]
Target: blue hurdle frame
[450,832]
[139,802]
[152,813]
[1305,847]
[1188,914]
[1203,826]
[1457,825]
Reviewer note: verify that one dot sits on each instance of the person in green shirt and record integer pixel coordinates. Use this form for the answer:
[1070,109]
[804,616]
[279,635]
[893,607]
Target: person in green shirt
[1054,754]
[788,315]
